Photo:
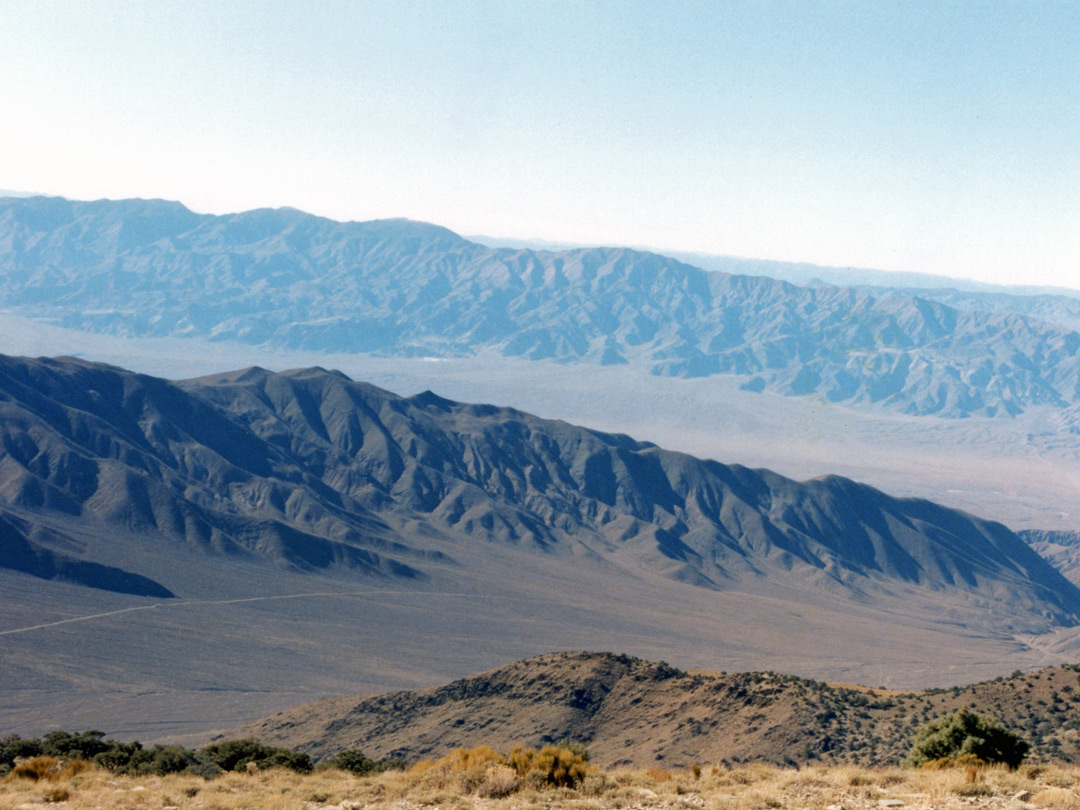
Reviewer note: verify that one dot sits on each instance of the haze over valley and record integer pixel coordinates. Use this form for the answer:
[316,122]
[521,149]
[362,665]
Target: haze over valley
[283,278]
[322,532]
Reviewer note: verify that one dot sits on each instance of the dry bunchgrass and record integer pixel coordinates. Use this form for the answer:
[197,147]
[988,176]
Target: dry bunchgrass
[751,787]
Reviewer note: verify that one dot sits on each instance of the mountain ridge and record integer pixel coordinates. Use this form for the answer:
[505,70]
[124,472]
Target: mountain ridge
[280,277]
[316,470]
[315,534]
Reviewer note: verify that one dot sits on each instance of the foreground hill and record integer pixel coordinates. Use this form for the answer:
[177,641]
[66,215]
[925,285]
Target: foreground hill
[289,279]
[183,556]
[633,712]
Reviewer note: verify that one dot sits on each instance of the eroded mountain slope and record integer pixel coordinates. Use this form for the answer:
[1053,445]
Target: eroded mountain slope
[273,537]
[313,470]
[285,278]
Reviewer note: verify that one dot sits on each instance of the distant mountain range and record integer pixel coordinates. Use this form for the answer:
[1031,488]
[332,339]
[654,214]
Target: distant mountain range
[803,273]
[285,278]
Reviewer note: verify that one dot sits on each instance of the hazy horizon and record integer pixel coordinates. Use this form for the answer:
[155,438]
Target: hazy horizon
[931,138]
[755,265]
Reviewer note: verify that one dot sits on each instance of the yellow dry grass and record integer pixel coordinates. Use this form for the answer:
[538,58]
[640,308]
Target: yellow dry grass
[752,787]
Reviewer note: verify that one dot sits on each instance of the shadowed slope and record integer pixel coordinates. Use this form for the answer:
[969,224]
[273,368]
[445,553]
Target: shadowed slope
[19,553]
[141,454]
[314,470]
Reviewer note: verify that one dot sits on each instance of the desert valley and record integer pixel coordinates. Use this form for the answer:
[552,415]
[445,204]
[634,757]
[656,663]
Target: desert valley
[603,405]
[469,456]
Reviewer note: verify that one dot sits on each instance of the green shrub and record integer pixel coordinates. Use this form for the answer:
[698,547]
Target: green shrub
[76,745]
[355,762]
[14,746]
[234,755]
[207,770]
[968,735]
[164,759]
[118,756]
[67,749]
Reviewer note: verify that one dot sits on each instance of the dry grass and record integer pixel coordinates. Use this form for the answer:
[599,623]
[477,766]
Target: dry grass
[752,787]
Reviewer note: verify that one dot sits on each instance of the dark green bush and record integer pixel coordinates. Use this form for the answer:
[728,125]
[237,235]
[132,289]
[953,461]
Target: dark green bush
[355,762]
[132,758]
[72,745]
[207,770]
[119,756]
[163,759]
[234,755]
[968,735]
[14,746]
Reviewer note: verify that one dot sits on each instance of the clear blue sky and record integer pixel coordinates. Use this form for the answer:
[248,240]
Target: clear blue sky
[937,137]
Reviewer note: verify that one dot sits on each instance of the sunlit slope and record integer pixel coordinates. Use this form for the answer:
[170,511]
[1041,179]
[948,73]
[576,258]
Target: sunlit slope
[288,279]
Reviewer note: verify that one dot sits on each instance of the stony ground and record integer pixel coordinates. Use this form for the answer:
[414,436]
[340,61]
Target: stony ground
[745,788]
[642,713]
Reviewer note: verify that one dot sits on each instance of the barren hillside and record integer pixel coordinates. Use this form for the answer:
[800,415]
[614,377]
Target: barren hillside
[629,711]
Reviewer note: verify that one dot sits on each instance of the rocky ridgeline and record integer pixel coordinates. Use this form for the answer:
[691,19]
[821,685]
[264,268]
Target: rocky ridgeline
[627,711]
[310,470]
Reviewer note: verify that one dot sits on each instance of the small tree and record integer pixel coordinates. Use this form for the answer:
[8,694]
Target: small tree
[966,734]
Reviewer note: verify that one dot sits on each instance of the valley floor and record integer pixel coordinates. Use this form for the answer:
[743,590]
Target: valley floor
[743,788]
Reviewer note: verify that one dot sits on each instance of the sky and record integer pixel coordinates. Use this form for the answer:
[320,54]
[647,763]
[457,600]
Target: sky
[922,136]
